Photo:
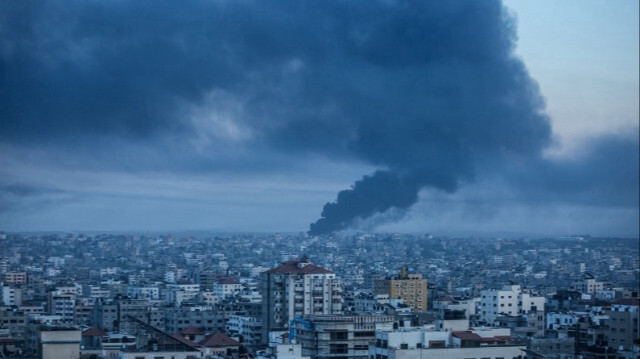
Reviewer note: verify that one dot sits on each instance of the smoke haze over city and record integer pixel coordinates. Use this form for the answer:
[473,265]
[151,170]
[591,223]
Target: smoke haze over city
[400,116]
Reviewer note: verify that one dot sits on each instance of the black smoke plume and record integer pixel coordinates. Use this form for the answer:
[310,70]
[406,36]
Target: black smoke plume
[428,92]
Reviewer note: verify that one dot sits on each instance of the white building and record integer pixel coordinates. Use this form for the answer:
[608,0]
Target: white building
[343,336]
[62,304]
[12,296]
[108,271]
[143,292]
[557,320]
[95,292]
[249,328]
[178,293]
[448,303]
[58,342]
[209,298]
[169,277]
[587,285]
[297,288]
[428,343]
[226,287]
[510,300]
[289,351]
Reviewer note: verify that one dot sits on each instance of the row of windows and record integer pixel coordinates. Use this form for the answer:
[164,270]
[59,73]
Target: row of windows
[404,284]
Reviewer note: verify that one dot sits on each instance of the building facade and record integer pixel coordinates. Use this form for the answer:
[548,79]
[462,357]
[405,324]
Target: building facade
[297,288]
[510,300]
[409,287]
[624,325]
[344,337]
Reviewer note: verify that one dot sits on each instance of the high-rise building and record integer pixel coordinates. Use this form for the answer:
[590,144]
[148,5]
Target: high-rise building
[296,288]
[410,287]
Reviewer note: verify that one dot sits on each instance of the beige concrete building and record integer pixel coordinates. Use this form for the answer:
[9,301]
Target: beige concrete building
[53,342]
[15,278]
[587,284]
[409,287]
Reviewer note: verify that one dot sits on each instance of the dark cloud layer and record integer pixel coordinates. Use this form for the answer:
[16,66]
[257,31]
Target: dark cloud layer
[427,91]
[605,175]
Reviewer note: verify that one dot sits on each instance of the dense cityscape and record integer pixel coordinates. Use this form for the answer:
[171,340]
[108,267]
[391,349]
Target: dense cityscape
[358,296]
[335,179]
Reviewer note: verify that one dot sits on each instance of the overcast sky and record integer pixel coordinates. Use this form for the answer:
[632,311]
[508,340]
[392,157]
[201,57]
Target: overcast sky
[441,117]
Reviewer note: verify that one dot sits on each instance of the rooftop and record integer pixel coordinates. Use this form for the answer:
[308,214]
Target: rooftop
[298,267]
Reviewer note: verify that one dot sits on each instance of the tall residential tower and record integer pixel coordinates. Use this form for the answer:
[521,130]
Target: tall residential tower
[296,288]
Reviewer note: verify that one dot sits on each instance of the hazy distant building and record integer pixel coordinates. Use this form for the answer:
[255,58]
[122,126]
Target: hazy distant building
[11,296]
[15,278]
[62,304]
[246,327]
[226,287]
[409,287]
[588,285]
[206,318]
[296,288]
[105,315]
[442,304]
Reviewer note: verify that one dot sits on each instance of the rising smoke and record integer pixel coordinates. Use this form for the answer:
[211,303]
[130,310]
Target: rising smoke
[428,92]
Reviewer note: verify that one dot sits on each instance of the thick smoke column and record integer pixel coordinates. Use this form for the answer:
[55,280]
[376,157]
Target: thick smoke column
[464,100]
[427,92]
[375,194]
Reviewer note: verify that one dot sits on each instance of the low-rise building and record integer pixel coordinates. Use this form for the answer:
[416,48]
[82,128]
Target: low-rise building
[248,328]
[226,287]
[331,336]
[510,300]
[424,343]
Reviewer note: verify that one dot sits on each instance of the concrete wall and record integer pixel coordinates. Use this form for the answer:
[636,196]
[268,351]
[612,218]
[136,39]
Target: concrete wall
[60,344]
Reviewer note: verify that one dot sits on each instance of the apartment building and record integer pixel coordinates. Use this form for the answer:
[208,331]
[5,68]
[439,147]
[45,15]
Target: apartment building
[624,326]
[510,300]
[15,278]
[410,287]
[297,288]
[588,285]
[331,336]
[418,343]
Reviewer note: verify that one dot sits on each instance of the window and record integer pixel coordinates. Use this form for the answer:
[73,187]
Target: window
[341,335]
[338,348]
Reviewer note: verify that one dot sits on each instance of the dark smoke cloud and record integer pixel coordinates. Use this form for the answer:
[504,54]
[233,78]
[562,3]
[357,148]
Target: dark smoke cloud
[426,91]
[606,174]
[19,196]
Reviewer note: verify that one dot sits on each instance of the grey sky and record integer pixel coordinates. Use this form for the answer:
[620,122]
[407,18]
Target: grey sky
[251,116]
